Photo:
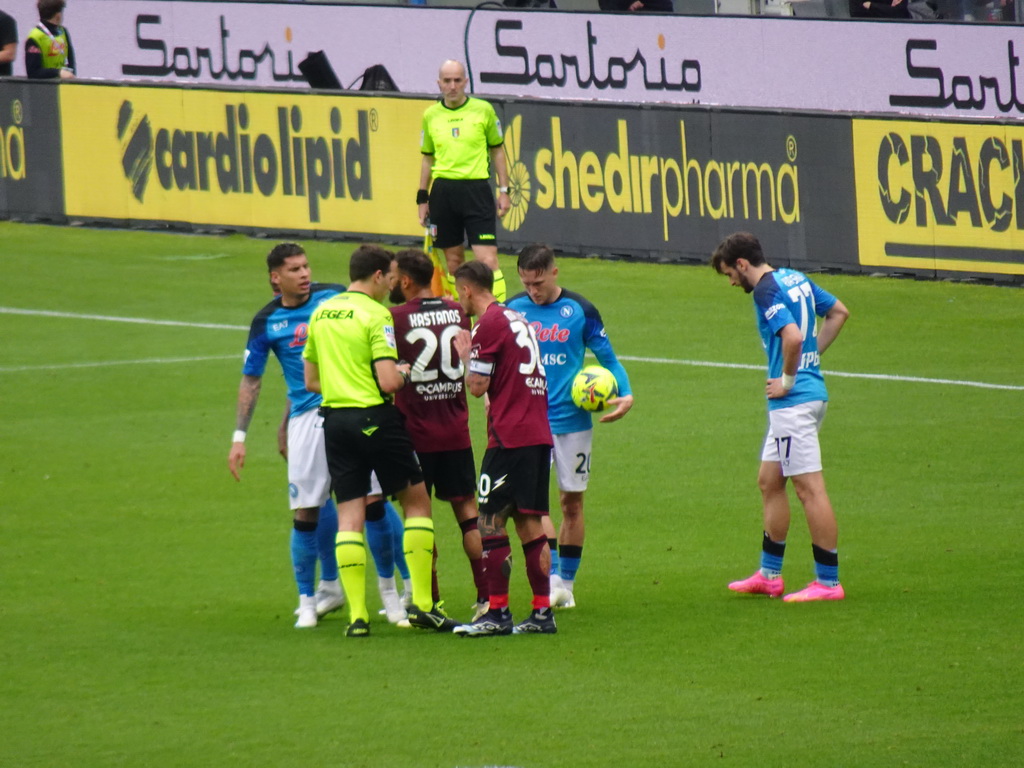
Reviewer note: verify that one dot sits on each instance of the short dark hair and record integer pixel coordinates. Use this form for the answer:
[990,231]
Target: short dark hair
[739,245]
[50,8]
[416,265]
[477,273]
[536,257]
[367,260]
[282,251]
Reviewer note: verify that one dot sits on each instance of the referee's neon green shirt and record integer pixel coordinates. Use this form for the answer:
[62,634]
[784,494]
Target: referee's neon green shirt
[460,139]
[347,334]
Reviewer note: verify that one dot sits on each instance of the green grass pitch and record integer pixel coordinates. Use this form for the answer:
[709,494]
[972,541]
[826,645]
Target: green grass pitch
[146,598]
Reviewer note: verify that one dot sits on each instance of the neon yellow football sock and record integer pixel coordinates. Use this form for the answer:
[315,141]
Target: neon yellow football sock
[449,286]
[500,291]
[418,543]
[351,553]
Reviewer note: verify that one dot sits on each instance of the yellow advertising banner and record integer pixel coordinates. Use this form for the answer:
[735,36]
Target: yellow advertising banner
[228,158]
[941,196]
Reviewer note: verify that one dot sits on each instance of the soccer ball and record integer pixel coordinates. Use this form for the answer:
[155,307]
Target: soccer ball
[593,387]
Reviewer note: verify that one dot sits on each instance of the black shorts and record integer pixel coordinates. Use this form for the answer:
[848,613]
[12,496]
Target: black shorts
[364,440]
[517,478]
[463,210]
[449,475]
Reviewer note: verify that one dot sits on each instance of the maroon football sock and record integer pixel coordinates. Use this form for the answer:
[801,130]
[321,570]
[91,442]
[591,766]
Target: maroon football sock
[497,554]
[536,571]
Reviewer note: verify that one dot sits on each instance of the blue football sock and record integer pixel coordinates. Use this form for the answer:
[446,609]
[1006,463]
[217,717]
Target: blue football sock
[772,554]
[326,530]
[569,557]
[553,546]
[304,555]
[379,539]
[826,566]
[397,539]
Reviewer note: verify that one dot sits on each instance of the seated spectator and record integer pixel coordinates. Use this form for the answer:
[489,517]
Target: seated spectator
[48,50]
[8,44]
[650,6]
[883,9]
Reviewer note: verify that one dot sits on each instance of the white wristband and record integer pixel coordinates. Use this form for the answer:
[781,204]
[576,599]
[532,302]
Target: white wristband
[503,189]
[788,381]
[238,436]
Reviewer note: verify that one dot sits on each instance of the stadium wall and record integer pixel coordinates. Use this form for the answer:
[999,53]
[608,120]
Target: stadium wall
[871,66]
[833,191]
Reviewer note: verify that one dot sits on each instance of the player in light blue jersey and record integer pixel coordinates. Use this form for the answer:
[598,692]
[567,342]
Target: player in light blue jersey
[566,325]
[280,328]
[787,305]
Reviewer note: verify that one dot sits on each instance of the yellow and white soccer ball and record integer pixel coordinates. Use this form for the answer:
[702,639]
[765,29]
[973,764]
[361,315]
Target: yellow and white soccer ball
[593,387]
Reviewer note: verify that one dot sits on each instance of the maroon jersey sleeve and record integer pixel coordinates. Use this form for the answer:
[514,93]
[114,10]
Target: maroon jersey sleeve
[505,349]
[434,400]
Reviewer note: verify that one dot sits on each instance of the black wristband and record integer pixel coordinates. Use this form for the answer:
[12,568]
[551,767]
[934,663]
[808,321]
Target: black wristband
[422,196]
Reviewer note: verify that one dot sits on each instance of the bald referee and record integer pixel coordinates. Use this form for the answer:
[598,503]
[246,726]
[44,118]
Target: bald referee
[351,359]
[460,141]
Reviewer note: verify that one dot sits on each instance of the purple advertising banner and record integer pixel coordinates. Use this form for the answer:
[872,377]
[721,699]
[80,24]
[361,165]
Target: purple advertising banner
[939,69]
[255,44]
[764,63]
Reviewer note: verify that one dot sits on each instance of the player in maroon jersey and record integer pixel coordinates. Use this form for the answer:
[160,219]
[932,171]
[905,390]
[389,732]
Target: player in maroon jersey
[434,403]
[503,361]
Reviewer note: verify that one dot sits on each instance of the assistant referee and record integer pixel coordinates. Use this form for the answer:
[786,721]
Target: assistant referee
[460,140]
[351,359]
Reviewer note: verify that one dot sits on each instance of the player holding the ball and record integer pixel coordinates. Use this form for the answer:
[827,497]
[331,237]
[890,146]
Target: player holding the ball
[567,325]
[787,306]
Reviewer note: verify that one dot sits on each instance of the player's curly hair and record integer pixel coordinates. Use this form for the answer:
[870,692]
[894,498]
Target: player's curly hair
[417,265]
[739,245]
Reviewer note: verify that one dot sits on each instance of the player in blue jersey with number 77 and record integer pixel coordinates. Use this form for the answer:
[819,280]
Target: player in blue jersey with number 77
[566,325]
[787,305]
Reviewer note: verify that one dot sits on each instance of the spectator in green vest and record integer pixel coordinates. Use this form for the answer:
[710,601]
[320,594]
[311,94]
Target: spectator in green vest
[48,51]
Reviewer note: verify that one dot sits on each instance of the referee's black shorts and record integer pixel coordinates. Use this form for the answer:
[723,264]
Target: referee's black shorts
[359,441]
[463,210]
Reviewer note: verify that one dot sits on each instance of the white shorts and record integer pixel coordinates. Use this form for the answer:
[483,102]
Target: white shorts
[792,438]
[571,457]
[309,481]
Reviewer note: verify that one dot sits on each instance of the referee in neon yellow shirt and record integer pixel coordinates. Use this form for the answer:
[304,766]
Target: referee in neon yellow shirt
[460,141]
[352,360]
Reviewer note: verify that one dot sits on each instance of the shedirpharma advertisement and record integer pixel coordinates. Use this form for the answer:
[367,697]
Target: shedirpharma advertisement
[248,160]
[673,182]
[940,196]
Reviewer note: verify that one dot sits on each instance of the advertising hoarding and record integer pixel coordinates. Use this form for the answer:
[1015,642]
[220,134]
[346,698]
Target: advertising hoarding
[31,174]
[943,198]
[226,158]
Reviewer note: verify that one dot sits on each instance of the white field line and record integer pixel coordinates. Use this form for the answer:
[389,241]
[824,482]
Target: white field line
[842,374]
[112,319]
[109,363]
[628,358]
